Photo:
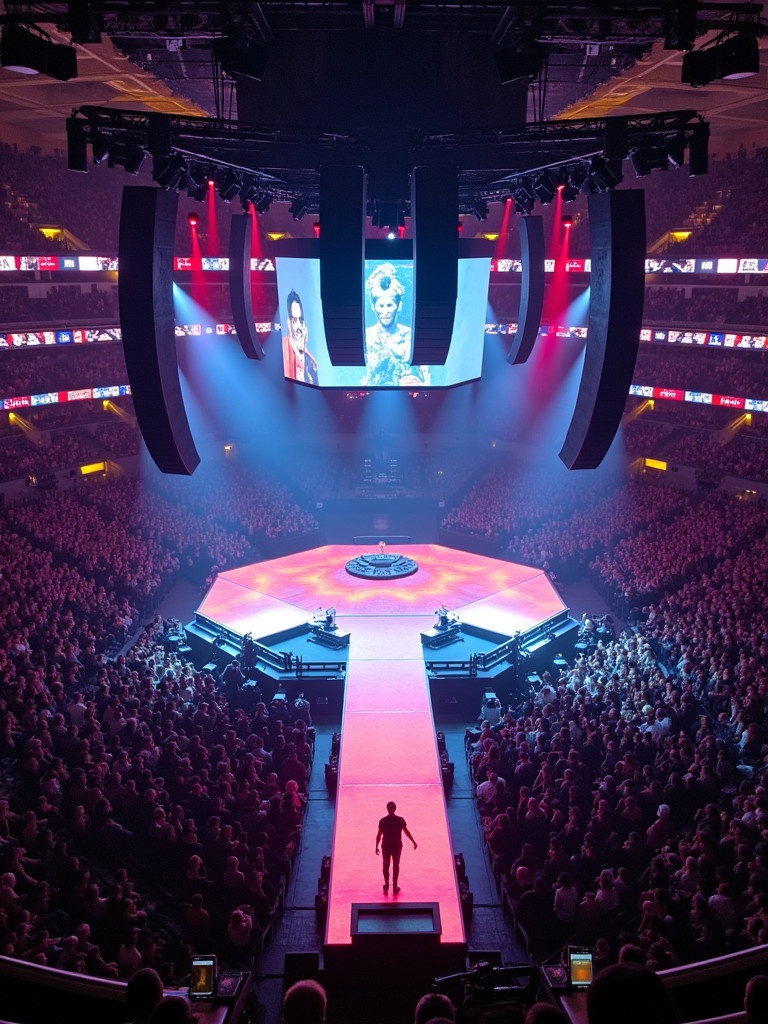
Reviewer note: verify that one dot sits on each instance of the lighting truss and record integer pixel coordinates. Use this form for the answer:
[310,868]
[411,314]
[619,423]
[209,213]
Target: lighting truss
[491,164]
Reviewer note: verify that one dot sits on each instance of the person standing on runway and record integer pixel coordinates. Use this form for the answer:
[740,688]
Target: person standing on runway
[390,837]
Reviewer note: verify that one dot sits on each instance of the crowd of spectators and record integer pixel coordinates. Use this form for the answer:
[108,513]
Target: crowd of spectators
[657,813]
[625,802]
[61,303]
[32,371]
[97,747]
[711,370]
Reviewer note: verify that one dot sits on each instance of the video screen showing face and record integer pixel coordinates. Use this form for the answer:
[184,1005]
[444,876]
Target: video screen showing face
[388,341]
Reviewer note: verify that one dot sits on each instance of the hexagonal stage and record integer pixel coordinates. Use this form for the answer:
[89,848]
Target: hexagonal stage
[266,598]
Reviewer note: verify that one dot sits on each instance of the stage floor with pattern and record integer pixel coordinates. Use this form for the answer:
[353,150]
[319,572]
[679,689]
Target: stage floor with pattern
[388,745]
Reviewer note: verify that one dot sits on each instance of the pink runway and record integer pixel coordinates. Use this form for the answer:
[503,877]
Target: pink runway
[388,747]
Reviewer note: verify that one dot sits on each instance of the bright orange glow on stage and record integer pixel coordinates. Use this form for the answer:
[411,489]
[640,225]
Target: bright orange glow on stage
[388,744]
[317,577]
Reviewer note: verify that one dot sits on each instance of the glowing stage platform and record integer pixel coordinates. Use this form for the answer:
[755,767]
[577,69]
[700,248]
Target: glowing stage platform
[388,746]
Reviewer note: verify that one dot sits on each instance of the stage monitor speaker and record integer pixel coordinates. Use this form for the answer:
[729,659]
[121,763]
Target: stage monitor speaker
[435,217]
[240,239]
[617,233]
[145,298]
[532,291]
[342,261]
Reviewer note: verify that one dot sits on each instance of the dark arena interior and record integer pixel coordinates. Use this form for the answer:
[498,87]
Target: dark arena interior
[383,460]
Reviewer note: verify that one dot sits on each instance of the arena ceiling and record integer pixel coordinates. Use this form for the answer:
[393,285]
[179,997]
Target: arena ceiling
[598,59]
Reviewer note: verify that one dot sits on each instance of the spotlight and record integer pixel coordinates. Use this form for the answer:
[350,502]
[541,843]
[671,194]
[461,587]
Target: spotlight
[230,185]
[480,209]
[30,53]
[545,187]
[193,220]
[524,204]
[524,196]
[196,182]
[316,228]
[169,171]
[652,158]
[298,208]
[262,202]
[605,174]
[738,57]
[580,181]
[134,159]
[699,68]
[126,153]
[567,221]
[676,150]
[99,147]
[733,58]
[197,192]
[248,192]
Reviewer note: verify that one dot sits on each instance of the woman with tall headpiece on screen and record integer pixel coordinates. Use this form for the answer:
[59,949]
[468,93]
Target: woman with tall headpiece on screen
[387,342]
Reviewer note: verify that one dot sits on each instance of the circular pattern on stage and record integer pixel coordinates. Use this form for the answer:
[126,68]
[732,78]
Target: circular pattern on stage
[382,566]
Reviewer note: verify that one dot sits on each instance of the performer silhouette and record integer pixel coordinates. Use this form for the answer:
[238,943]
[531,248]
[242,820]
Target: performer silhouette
[390,837]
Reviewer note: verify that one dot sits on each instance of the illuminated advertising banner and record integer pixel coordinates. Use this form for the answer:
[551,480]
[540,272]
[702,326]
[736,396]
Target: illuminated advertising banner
[753,266]
[47,398]
[698,397]
[80,395]
[669,265]
[728,401]
[499,265]
[687,337]
[670,394]
[31,339]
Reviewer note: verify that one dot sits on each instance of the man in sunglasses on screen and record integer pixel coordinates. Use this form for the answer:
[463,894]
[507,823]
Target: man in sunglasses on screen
[298,361]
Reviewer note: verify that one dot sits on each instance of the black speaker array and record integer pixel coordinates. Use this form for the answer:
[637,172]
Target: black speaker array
[145,296]
[342,256]
[434,215]
[617,233]
[240,239]
[532,289]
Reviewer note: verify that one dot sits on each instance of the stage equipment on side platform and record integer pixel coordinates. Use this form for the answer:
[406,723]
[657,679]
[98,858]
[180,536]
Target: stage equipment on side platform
[445,630]
[325,631]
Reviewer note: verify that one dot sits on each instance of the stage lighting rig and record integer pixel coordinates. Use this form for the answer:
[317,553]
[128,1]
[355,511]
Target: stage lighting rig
[729,57]
[99,147]
[29,50]
[229,184]
[298,208]
[169,172]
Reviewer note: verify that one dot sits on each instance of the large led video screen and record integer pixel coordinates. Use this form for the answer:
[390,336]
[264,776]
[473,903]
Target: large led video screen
[388,342]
